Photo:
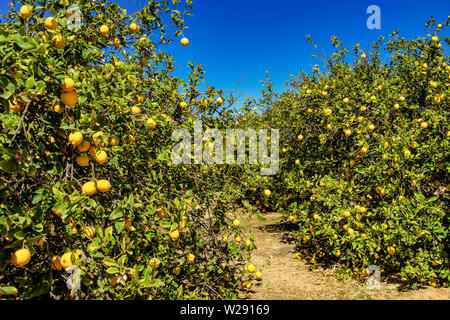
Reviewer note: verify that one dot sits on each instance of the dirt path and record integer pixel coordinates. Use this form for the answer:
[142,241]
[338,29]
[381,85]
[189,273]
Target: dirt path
[287,278]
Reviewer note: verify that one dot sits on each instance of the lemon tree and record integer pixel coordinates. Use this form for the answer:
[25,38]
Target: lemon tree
[86,120]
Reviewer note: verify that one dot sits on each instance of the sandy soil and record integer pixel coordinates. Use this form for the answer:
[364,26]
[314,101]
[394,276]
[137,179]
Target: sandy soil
[287,278]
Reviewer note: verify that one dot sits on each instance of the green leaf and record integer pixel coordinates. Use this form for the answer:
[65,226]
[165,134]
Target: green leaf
[116,214]
[112,270]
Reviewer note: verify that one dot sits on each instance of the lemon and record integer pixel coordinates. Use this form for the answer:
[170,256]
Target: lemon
[364,150]
[297,162]
[267,193]
[103,185]
[251,268]
[151,123]
[75,138]
[104,30]
[183,105]
[89,188]
[92,151]
[184,42]
[25,11]
[84,146]
[219,101]
[391,250]
[161,212]
[300,137]
[174,235]
[134,27]
[348,132]
[176,271]
[116,42]
[101,157]
[69,98]
[258,275]
[15,108]
[191,258]
[68,259]
[51,23]
[56,263]
[58,41]
[21,257]
[236,223]
[68,85]
[58,108]
[114,141]
[346,214]
[82,161]
[424,125]
[135,110]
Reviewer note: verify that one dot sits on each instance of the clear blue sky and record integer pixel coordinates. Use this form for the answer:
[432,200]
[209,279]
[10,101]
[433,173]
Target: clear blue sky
[236,39]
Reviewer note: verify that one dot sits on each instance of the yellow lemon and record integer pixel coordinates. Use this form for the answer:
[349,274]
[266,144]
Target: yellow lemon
[92,151]
[346,214]
[21,257]
[364,150]
[251,268]
[75,138]
[174,235]
[236,223]
[101,157]
[191,258]
[151,123]
[56,263]
[58,108]
[116,42]
[258,275]
[68,85]
[68,259]
[267,193]
[58,41]
[135,110]
[114,141]
[82,161]
[25,11]
[391,250]
[51,23]
[104,30]
[219,100]
[134,27]
[69,98]
[348,132]
[103,185]
[89,188]
[184,42]
[84,146]
[176,271]
[300,137]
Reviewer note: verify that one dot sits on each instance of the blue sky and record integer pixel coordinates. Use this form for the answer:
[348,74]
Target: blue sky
[241,39]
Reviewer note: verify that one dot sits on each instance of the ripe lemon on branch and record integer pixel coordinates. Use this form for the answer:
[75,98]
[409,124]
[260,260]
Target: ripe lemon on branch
[21,257]
[89,188]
